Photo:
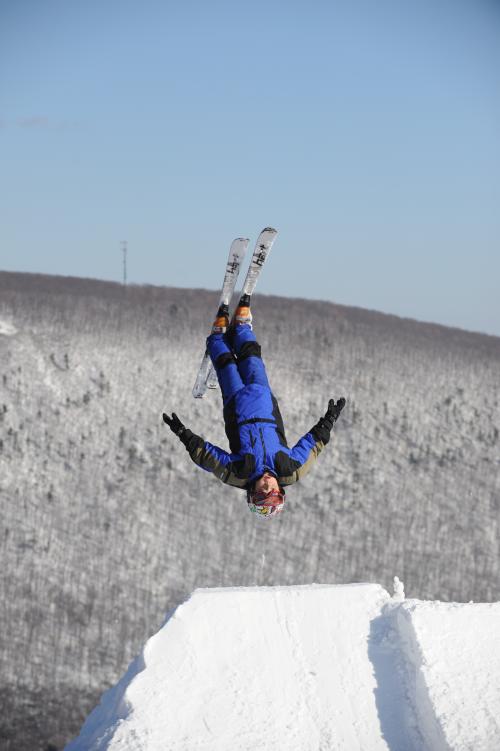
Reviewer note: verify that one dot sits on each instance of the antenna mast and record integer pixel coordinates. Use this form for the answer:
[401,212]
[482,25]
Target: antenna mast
[124,251]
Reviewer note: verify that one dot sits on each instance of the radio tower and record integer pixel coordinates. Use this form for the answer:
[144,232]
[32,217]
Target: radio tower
[124,251]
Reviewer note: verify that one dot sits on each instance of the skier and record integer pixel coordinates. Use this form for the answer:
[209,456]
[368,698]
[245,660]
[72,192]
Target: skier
[260,461]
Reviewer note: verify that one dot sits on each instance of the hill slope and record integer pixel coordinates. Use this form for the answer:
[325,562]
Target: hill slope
[101,506]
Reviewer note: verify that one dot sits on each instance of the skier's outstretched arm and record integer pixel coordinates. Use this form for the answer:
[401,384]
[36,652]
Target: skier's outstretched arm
[306,451]
[206,455]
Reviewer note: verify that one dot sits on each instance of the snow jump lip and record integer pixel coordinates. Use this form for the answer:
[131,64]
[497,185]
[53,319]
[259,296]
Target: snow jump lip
[303,668]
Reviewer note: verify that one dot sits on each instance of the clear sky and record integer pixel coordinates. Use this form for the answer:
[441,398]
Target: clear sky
[366,131]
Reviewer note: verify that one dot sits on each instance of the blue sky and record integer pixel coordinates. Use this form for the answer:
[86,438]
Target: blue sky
[367,132]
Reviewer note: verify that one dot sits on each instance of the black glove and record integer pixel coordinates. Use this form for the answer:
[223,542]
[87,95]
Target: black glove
[324,426]
[334,410]
[174,424]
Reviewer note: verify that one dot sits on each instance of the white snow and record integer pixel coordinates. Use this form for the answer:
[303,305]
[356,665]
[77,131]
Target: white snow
[309,668]
[452,654]
[7,328]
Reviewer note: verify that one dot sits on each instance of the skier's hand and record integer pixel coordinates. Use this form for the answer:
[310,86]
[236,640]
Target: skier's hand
[334,410]
[324,426]
[174,424]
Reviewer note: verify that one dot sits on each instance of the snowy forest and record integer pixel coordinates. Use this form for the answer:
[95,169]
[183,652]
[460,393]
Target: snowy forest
[107,524]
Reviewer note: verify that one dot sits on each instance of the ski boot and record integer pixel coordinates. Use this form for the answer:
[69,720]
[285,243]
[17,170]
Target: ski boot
[243,314]
[221,323]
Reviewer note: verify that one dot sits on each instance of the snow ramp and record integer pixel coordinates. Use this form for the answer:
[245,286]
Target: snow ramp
[308,668]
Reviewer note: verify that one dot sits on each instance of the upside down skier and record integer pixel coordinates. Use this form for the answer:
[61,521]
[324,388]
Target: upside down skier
[260,461]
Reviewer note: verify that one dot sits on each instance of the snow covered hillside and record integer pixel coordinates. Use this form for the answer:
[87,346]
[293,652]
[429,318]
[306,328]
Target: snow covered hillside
[309,668]
[101,506]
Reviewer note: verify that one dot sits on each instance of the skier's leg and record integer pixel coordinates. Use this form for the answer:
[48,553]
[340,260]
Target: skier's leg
[247,349]
[225,365]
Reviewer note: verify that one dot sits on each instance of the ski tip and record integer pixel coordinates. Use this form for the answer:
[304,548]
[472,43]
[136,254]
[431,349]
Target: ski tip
[270,229]
[240,244]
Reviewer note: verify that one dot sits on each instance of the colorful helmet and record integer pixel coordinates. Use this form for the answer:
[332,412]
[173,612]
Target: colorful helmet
[268,504]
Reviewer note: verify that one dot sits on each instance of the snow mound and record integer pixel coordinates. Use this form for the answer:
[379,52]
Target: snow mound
[7,328]
[308,668]
[452,656]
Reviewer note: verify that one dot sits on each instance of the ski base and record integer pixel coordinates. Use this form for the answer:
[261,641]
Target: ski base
[235,258]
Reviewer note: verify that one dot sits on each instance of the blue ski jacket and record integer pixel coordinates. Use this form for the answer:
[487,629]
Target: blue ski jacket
[253,421]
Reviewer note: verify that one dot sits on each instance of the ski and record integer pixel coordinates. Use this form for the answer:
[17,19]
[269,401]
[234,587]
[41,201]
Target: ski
[234,261]
[261,251]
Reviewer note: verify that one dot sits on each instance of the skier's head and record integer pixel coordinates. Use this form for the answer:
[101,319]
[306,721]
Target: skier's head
[265,496]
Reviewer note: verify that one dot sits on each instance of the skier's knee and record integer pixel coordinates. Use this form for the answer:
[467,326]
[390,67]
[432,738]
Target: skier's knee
[214,338]
[250,349]
[225,359]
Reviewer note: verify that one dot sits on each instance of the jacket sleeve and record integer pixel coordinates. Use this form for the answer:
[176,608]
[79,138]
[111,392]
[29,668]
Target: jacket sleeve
[302,457]
[211,458]
[306,451]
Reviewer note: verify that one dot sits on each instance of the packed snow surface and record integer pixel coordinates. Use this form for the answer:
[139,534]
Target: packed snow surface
[309,668]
